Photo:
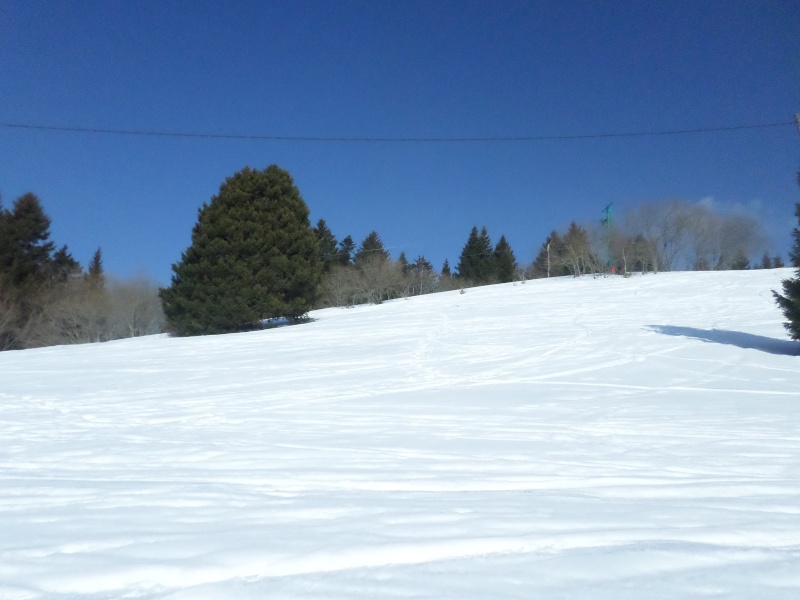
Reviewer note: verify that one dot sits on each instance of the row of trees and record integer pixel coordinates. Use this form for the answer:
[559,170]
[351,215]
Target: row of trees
[255,256]
[367,273]
[655,236]
[46,298]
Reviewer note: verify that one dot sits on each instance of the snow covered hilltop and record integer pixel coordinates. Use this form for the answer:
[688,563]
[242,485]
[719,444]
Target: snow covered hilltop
[610,438]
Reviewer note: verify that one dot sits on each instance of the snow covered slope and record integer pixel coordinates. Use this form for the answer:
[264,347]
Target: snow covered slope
[610,438]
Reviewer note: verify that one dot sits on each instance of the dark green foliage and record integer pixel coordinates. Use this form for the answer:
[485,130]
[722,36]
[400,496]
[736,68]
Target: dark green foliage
[254,256]
[446,270]
[550,262]
[28,249]
[421,265]
[402,262]
[766,261]
[777,262]
[26,268]
[371,249]
[328,250]
[34,279]
[346,248]
[505,263]
[789,301]
[95,275]
[476,262]
[64,266]
[567,254]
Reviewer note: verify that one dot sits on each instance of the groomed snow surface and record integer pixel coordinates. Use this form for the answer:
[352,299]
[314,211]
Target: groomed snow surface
[594,438]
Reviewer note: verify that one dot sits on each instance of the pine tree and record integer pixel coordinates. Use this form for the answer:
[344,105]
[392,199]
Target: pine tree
[402,262]
[777,262]
[766,261]
[446,270]
[26,269]
[476,261]
[30,249]
[550,260]
[253,256]
[64,266]
[422,265]
[505,263]
[789,301]
[579,257]
[329,254]
[346,248]
[371,249]
[488,274]
[95,276]
[423,275]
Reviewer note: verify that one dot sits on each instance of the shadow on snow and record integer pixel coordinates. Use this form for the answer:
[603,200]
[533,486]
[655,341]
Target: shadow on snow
[732,338]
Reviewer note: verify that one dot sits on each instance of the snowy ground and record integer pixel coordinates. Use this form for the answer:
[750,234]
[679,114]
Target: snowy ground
[605,439]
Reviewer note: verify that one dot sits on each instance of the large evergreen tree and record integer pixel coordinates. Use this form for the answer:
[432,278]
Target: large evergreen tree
[28,249]
[505,263]
[476,262]
[29,270]
[789,301]
[253,256]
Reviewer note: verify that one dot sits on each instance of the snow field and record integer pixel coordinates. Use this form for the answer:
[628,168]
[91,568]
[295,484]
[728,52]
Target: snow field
[609,438]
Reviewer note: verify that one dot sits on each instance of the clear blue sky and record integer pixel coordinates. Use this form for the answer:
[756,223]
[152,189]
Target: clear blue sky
[394,69]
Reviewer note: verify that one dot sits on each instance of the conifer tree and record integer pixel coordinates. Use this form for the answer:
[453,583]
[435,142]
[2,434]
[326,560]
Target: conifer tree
[551,258]
[505,264]
[253,256]
[95,276]
[64,265]
[30,251]
[346,248]
[476,263]
[328,251]
[26,269]
[371,249]
[422,265]
[423,275]
[402,262]
[446,270]
[579,257]
[789,301]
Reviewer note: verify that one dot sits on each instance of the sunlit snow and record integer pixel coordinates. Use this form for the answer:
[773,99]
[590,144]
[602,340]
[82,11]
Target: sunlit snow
[595,438]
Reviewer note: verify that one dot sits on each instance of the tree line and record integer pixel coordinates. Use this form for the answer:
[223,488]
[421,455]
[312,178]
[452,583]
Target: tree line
[656,236]
[367,273]
[254,256]
[46,297]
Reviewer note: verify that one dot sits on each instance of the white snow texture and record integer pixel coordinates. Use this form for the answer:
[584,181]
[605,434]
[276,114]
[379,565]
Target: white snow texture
[567,438]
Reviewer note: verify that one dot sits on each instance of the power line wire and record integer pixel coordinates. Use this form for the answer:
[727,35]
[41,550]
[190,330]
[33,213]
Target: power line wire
[357,139]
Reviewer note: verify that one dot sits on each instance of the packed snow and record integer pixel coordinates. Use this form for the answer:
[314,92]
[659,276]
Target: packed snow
[603,438]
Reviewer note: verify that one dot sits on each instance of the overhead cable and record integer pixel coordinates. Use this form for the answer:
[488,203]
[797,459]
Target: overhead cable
[387,139]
